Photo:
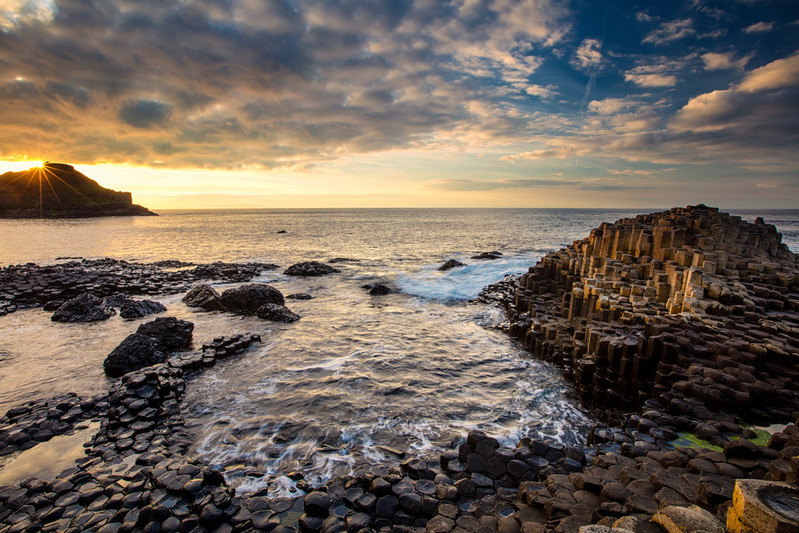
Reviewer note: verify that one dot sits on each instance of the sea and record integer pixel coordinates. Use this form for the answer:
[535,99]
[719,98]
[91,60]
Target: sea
[359,380]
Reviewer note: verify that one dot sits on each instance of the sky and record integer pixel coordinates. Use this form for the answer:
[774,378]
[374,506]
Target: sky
[408,103]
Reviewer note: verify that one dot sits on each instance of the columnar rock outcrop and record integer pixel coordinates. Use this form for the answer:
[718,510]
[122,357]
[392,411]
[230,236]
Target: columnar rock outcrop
[691,306]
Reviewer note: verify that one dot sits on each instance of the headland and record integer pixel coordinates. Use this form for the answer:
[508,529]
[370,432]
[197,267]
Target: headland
[57,190]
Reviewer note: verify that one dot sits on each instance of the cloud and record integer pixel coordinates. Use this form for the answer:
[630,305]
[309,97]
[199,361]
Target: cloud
[638,172]
[776,75]
[670,31]
[611,106]
[560,152]
[593,184]
[588,54]
[145,113]
[651,80]
[722,61]
[755,115]
[540,91]
[657,71]
[274,82]
[759,27]
[643,16]
[491,185]
[15,13]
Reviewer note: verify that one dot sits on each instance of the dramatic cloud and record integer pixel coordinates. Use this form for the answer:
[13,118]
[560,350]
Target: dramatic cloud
[277,83]
[320,86]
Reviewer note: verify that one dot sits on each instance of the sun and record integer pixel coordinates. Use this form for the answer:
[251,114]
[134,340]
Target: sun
[37,164]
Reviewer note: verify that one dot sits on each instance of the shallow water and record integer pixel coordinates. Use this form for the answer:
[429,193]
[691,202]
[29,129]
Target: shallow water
[47,459]
[359,377]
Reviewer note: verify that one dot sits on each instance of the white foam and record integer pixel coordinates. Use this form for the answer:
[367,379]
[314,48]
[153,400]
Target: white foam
[462,283]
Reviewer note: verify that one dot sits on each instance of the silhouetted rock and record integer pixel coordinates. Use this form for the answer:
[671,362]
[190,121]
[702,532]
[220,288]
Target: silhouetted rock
[64,193]
[276,313]
[246,299]
[205,297]
[83,308]
[309,268]
[138,308]
[452,263]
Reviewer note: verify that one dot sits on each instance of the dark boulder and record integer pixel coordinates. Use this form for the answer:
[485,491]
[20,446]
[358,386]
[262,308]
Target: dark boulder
[116,300]
[83,308]
[205,297]
[246,299]
[276,313]
[299,296]
[452,263]
[488,255]
[377,289]
[309,268]
[172,334]
[138,308]
[135,352]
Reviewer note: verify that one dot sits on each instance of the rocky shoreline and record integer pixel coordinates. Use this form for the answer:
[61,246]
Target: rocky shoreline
[673,326]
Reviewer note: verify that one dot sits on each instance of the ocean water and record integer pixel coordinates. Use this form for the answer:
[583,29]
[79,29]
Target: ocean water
[360,379]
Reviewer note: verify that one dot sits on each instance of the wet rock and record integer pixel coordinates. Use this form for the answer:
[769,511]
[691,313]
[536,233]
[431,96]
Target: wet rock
[170,333]
[488,255]
[276,313]
[377,289]
[452,263]
[317,504]
[139,308]
[299,296]
[309,268]
[205,297]
[135,352]
[246,299]
[83,308]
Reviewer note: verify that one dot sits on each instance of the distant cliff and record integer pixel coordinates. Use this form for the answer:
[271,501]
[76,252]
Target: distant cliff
[57,190]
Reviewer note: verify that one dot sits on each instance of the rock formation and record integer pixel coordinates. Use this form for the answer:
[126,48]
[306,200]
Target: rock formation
[31,285]
[83,308]
[309,269]
[57,190]
[258,299]
[150,345]
[449,265]
[692,307]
